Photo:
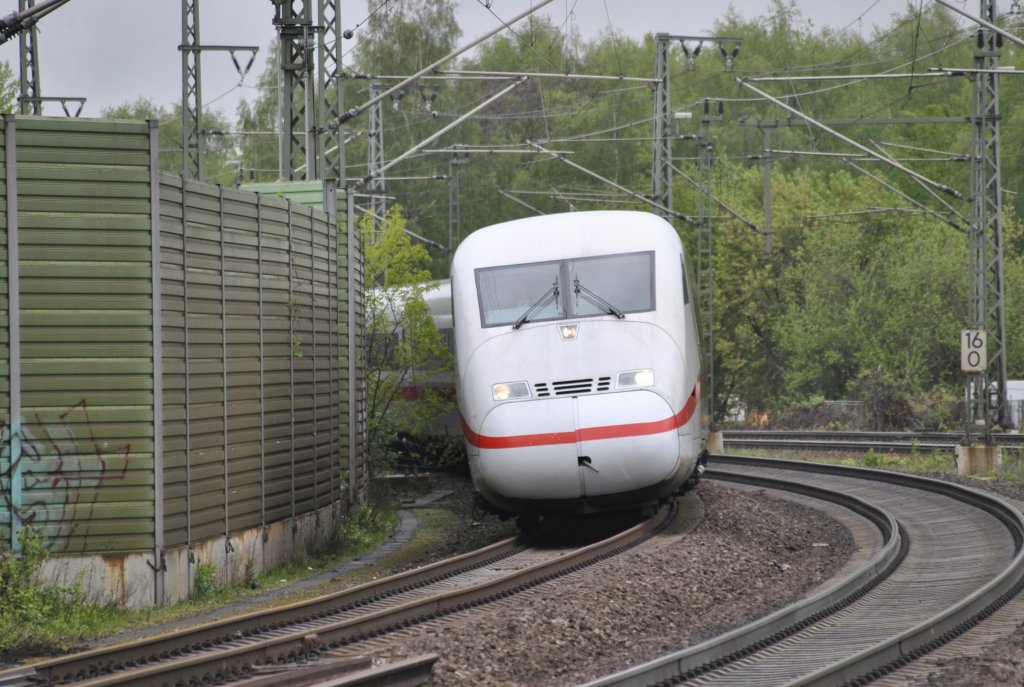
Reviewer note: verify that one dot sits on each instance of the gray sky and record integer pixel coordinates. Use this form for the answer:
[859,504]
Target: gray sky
[114,51]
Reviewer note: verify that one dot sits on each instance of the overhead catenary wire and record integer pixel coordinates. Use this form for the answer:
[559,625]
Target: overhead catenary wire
[430,139]
[356,111]
[634,194]
[849,141]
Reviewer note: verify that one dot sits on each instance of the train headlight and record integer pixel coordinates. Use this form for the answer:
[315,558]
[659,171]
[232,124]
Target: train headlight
[635,378]
[569,332]
[510,390]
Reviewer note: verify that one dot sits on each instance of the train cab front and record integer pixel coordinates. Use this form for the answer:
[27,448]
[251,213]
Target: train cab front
[562,432]
[572,368]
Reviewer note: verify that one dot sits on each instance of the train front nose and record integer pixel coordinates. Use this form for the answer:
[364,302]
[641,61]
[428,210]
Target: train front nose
[583,446]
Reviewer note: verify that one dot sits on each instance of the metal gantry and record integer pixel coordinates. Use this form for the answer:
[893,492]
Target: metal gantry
[986,390]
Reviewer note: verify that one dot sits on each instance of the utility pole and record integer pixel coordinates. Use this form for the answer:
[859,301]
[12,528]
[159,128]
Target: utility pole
[986,383]
[193,141]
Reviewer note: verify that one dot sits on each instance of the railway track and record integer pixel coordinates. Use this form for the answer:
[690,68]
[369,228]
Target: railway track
[309,637]
[951,557]
[965,547]
[901,442]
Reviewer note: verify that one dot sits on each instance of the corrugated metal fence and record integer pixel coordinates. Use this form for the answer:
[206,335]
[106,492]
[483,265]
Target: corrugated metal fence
[174,356]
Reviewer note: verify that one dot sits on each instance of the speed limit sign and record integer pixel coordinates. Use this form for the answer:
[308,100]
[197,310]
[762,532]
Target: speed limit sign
[973,352]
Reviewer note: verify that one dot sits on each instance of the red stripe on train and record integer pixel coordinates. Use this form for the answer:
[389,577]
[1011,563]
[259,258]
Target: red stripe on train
[635,429]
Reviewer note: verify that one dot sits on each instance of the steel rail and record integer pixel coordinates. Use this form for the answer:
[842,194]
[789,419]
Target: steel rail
[103,659]
[857,441]
[783,623]
[890,653]
[352,673]
[899,650]
[234,655]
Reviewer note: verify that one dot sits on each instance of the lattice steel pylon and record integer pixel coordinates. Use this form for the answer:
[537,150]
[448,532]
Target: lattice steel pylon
[986,391]
[662,171]
[192,142]
[375,161]
[705,246]
[454,209]
[330,103]
[296,109]
[29,101]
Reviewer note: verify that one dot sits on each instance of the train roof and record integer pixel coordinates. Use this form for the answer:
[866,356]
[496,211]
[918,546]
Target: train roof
[572,234]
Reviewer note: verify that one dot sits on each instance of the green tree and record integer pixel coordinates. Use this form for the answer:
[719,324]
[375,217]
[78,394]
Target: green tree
[257,126]
[8,88]
[407,36]
[219,147]
[404,349]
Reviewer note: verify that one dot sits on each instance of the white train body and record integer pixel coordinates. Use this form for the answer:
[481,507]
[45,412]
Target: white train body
[577,360]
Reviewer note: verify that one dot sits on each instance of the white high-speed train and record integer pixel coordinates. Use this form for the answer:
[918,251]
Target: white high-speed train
[578,364]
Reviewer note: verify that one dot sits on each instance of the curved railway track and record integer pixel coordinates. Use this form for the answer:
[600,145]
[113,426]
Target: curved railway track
[952,556]
[938,558]
[856,441]
[291,637]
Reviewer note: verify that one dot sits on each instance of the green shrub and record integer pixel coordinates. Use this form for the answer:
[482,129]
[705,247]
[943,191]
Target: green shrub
[36,616]
[366,527]
[205,582]
[874,460]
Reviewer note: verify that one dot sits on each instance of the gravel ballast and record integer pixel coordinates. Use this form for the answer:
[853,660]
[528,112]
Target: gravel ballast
[750,554]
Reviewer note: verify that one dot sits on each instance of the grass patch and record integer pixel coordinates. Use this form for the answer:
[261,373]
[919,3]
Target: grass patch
[39,620]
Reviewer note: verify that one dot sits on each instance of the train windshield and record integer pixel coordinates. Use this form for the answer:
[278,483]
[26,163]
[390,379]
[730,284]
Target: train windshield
[613,284]
[509,293]
[581,287]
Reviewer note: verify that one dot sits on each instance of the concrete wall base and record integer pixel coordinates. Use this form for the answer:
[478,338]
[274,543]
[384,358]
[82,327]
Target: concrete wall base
[716,444]
[129,581]
[971,460]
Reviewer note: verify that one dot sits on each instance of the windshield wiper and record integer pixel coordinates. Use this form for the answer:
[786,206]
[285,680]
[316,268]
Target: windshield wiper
[580,289]
[551,293]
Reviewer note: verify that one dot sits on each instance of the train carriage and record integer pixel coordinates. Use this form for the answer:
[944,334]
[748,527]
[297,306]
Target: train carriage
[578,372]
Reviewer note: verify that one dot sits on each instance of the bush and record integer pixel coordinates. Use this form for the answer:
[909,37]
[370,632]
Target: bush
[206,581]
[367,527]
[35,616]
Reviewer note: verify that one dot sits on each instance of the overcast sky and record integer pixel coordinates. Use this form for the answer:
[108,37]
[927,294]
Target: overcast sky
[115,51]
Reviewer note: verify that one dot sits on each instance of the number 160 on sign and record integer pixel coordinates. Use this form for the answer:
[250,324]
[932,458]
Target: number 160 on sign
[973,351]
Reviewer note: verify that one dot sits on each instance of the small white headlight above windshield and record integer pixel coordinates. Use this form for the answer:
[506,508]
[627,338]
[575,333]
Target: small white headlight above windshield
[569,331]
[635,378]
[505,391]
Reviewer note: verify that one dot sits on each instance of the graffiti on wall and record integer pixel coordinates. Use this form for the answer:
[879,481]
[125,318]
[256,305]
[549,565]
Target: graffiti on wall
[51,477]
